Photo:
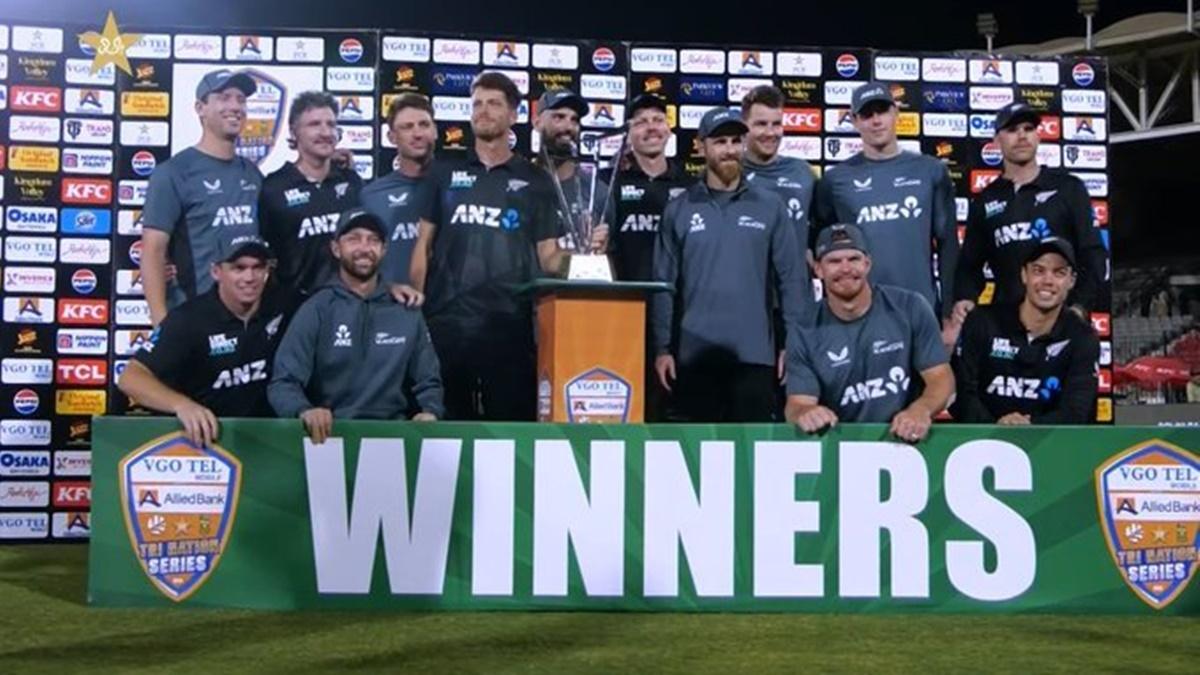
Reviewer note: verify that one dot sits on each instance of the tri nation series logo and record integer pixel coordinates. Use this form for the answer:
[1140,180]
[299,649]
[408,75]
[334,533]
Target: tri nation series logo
[179,503]
[1149,499]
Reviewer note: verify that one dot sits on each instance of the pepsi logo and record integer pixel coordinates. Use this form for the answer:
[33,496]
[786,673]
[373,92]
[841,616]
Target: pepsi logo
[83,281]
[1083,74]
[135,252]
[991,154]
[26,401]
[847,65]
[604,59]
[143,162]
[351,50]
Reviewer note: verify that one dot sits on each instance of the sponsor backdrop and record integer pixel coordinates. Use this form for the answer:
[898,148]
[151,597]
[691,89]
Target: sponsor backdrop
[647,518]
[80,147]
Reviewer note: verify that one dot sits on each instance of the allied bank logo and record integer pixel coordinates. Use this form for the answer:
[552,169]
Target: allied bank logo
[1149,499]
[598,396]
[179,503]
[264,116]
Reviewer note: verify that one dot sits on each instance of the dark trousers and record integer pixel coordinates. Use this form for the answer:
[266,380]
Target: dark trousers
[725,392]
[487,376]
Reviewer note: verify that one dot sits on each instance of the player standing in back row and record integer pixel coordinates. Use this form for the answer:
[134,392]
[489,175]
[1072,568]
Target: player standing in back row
[902,201]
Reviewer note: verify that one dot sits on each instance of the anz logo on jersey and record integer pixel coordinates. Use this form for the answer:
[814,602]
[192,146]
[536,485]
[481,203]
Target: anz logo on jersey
[909,208]
[255,371]
[896,382]
[488,216]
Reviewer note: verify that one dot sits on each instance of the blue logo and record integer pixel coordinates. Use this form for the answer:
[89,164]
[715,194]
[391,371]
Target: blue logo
[86,221]
[1050,388]
[511,220]
[945,99]
[702,90]
[1104,239]
[453,81]
[1041,229]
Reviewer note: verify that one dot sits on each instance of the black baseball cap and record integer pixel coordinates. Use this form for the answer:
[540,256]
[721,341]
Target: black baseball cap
[220,80]
[359,217]
[553,99]
[719,119]
[235,243]
[870,93]
[1015,113]
[643,101]
[840,237]
[1052,245]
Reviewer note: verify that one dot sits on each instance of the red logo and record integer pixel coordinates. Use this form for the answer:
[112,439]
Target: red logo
[73,495]
[803,120]
[86,191]
[1100,212]
[1102,323]
[35,99]
[83,312]
[981,178]
[1104,381]
[1050,129]
[82,371]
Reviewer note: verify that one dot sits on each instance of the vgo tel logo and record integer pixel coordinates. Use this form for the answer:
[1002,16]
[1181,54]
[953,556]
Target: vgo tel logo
[24,432]
[86,191]
[27,371]
[83,372]
[73,312]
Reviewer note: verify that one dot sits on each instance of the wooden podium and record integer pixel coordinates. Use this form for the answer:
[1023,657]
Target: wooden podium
[592,350]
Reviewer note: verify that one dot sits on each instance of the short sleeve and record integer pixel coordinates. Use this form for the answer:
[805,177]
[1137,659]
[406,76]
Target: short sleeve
[928,350]
[169,350]
[164,204]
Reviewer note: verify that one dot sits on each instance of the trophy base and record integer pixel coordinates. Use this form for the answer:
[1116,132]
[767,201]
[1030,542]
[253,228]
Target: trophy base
[589,267]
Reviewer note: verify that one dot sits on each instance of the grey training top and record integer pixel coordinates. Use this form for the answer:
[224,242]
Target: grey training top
[190,197]
[725,253]
[793,180]
[867,370]
[399,201]
[902,204]
[355,356]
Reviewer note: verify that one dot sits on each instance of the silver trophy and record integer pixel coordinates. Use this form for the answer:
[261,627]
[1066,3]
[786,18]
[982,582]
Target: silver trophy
[584,200]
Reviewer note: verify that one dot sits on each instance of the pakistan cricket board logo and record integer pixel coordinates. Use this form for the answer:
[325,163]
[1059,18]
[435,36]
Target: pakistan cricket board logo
[179,503]
[1149,499]
[264,115]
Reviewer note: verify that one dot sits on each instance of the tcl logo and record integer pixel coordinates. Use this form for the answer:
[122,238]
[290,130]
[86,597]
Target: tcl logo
[35,99]
[1104,383]
[1050,128]
[83,312]
[86,191]
[1102,322]
[82,372]
[73,495]
[1100,212]
[981,178]
[805,120]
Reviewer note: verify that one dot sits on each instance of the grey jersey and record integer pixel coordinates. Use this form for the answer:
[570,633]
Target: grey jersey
[725,253]
[902,204]
[868,369]
[794,181]
[191,197]
[399,201]
[356,356]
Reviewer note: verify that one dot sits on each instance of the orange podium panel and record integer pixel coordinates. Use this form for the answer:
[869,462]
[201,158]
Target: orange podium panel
[592,350]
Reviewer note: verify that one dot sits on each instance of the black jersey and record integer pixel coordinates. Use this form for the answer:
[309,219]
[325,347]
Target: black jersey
[298,217]
[489,222]
[214,358]
[640,201]
[1000,370]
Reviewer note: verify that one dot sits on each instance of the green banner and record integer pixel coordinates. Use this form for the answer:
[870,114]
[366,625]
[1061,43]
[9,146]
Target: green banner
[648,518]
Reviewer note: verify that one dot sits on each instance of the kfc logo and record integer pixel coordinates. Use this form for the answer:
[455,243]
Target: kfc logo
[72,312]
[35,99]
[86,191]
[802,120]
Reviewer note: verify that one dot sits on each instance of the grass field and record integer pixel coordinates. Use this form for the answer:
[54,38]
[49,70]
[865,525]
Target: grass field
[46,627]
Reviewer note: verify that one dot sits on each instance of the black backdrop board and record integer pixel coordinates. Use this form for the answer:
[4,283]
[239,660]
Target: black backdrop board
[78,150]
